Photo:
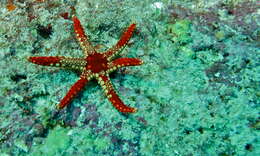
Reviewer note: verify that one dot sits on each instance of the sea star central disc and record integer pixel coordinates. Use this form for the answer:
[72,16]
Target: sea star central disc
[96,63]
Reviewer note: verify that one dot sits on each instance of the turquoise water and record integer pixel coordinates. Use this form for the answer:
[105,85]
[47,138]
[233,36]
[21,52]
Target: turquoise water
[197,93]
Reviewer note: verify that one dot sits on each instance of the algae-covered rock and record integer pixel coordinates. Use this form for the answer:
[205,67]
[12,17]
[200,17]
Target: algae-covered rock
[180,31]
[55,143]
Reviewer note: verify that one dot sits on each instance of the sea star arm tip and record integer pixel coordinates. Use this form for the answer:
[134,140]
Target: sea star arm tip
[82,37]
[123,62]
[126,36]
[74,90]
[127,62]
[58,61]
[113,97]
[122,41]
[46,60]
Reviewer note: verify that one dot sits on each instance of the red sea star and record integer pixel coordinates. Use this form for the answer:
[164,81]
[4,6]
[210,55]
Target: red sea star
[93,65]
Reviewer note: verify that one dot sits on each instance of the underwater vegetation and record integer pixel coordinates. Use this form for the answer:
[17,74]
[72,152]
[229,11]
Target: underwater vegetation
[197,92]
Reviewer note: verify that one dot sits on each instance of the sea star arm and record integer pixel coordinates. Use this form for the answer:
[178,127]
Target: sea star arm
[59,61]
[121,43]
[82,38]
[127,62]
[74,90]
[106,84]
[123,62]
[46,60]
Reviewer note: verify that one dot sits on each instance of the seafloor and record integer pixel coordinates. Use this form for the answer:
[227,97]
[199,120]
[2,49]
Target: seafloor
[197,92]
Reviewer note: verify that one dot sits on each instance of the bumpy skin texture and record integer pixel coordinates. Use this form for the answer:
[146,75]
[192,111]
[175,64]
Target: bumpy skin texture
[93,65]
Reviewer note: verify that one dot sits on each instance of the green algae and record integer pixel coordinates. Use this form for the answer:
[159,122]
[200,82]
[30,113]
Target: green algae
[87,143]
[21,145]
[55,143]
[220,35]
[196,93]
[180,31]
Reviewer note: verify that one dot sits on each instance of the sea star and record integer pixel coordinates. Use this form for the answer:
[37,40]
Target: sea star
[94,65]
